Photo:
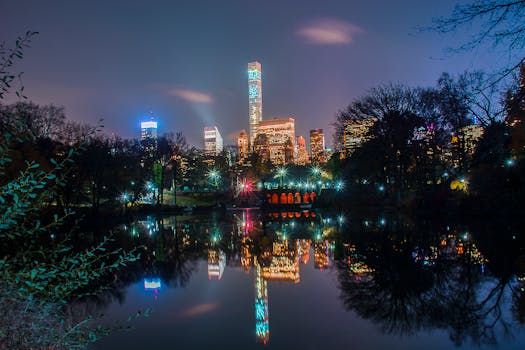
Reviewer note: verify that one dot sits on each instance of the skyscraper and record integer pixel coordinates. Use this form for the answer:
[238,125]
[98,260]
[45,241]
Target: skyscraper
[242,146]
[148,137]
[355,134]
[212,141]
[302,155]
[317,149]
[148,130]
[254,98]
[280,133]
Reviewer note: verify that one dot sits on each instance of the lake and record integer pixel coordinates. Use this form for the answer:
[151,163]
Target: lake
[247,279]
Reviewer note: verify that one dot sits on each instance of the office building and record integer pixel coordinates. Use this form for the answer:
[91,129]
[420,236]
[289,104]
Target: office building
[302,154]
[355,133]
[317,147]
[280,136]
[213,144]
[148,137]
[242,146]
[148,130]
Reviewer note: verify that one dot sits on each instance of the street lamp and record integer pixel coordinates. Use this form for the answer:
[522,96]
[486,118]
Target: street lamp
[281,172]
[214,177]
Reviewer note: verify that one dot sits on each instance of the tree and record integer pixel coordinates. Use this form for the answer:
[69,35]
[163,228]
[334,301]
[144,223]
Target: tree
[39,269]
[375,104]
[500,24]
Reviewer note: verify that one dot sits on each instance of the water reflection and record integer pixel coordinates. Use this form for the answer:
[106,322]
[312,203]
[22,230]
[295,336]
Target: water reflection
[405,277]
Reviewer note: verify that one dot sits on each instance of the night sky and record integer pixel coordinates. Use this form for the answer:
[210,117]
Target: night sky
[186,60]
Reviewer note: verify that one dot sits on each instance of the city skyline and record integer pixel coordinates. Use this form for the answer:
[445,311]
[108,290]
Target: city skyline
[188,66]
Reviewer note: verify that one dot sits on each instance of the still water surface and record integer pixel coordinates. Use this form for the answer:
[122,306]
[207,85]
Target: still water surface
[306,280]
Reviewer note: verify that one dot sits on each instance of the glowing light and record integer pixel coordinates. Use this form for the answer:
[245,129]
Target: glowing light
[382,221]
[282,171]
[148,125]
[510,162]
[381,188]
[339,185]
[254,74]
[316,170]
[124,197]
[152,283]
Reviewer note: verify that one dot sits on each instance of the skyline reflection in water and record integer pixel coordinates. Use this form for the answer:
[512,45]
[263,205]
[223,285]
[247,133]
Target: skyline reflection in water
[401,279]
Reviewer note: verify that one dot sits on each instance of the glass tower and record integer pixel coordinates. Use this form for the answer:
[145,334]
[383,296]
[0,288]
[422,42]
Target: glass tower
[254,97]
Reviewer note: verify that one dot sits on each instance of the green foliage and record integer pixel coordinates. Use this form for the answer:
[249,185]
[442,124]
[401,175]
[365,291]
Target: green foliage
[40,271]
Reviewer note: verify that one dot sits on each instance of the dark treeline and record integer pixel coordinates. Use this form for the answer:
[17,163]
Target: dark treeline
[103,168]
[420,145]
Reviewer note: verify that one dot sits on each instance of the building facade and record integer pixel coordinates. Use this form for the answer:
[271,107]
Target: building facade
[148,130]
[254,97]
[243,146]
[280,135]
[213,144]
[317,147]
[355,134]
[148,137]
[302,154]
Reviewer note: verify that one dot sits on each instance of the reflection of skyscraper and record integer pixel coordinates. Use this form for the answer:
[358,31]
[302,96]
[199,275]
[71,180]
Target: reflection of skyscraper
[262,319]
[304,250]
[216,263]
[284,264]
[321,254]
[254,97]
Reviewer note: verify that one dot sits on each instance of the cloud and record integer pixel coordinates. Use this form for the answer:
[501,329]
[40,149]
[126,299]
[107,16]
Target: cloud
[191,95]
[329,32]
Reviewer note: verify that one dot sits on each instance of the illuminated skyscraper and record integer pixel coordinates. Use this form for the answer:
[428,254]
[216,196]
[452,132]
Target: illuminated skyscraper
[148,136]
[254,97]
[242,146]
[355,134]
[280,133]
[302,154]
[317,148]
[212,141]
[148,130]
